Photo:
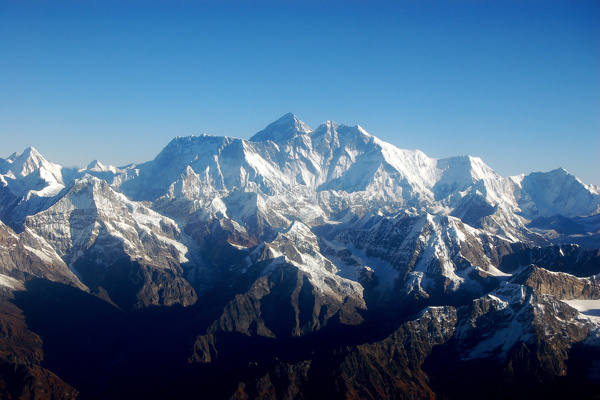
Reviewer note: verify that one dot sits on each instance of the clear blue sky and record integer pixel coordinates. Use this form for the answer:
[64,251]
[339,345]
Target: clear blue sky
[514,82]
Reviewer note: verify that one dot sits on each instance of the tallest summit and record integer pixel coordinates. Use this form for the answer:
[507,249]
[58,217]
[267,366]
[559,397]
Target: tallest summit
[282,130]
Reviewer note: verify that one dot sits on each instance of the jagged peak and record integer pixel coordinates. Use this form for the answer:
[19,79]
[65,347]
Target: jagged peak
[185,148]
[13,157]
[557,176]
[30,154]
[30,161]
[185,141]
[95,166]
[334,127]
[363,131]
[330,134]
[475,167]
[285,128]
[288,116]
[31,151]
[559,171]
[88,179]
[328,126]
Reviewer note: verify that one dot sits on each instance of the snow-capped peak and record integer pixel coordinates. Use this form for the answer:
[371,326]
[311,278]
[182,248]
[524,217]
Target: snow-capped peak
[330,135]
[28,162]
[558,192]
[13,156]
[282,130]
[33,174]
[97,166]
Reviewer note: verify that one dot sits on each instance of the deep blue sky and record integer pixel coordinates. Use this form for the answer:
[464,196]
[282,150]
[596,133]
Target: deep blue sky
[514,82]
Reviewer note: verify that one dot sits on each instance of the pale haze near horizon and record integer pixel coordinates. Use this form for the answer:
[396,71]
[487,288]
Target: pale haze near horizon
[515,83]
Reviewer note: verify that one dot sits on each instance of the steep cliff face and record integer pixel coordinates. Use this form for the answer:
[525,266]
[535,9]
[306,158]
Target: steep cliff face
[392,368]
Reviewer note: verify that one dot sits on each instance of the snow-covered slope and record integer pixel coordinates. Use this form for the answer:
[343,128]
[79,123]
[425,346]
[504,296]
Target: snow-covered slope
[95,229]
[557,192]
[431,255]
[282,130]
[339,169]
[27,254]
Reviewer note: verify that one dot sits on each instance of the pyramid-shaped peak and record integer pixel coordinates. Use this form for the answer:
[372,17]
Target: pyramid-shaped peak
[96,166]
[282,130]
[31,152]
[288,116]
[31,162]
[560,171]
[556,175]
[28,162]
[327,125]
[290,119]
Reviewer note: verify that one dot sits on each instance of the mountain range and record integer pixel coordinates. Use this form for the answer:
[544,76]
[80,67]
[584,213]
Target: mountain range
[297,264]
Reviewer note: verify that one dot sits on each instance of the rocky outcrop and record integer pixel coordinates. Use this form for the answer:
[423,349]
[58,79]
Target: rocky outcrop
[561,285]
[296,292]
[391,368]
[569,258]
[432,256]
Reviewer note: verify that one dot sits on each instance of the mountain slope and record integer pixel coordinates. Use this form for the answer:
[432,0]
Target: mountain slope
[115,245]
[299,264]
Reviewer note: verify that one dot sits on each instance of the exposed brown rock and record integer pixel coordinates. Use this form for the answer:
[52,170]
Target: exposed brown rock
[561,285]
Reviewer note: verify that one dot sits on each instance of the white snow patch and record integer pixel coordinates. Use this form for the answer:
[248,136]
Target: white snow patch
[10,283]
[590,308]
[43,256]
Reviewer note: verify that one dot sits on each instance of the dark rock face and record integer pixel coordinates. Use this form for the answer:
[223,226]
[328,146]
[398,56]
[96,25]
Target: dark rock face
[123,250]
[21,355]
[282,304]
[279,339]
[391,368]
[132,285]
[536,365]
[563,286]
[568,258]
